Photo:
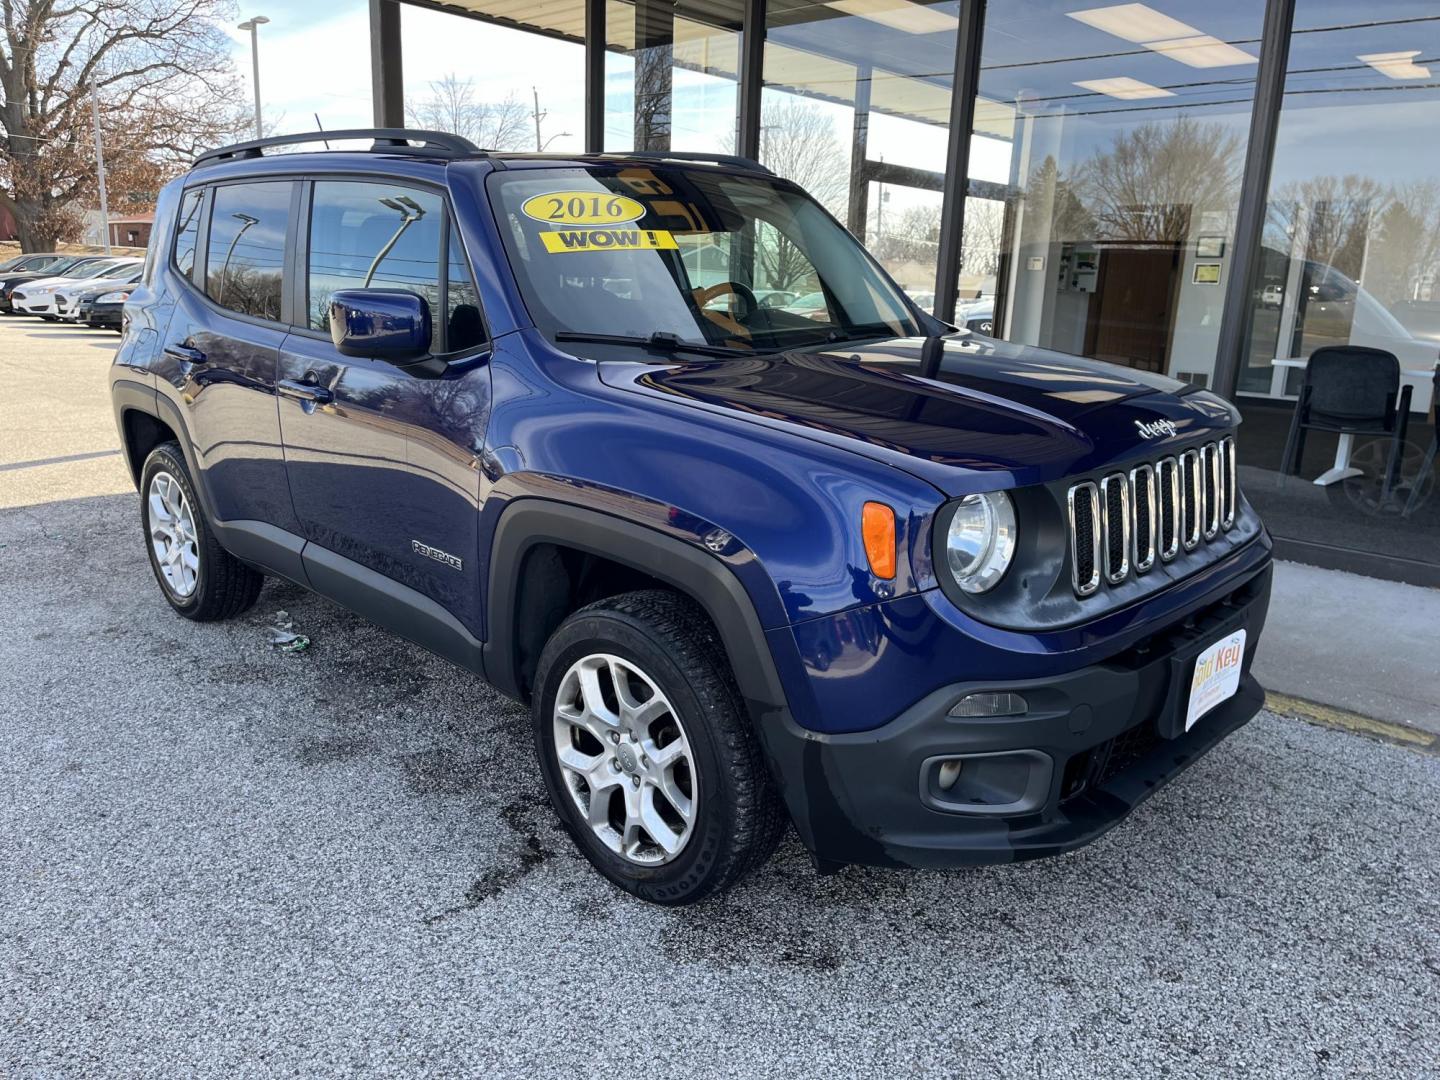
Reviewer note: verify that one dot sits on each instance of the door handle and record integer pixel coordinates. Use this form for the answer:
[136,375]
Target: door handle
[186,354]
[304,391]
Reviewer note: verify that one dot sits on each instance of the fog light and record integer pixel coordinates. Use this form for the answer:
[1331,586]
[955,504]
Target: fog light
[1001,704]
[949,773]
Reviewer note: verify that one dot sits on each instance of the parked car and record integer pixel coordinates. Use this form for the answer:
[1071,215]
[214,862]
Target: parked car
[69,269]
[69,299]
[105,310]
[38,297]
[978,316]
[926,595]
[37,261]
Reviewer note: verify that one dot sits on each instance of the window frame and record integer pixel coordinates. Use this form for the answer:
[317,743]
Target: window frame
[299,293]
[202,228]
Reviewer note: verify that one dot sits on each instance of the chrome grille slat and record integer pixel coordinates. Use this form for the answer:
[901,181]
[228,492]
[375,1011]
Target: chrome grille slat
[1142,500]
[1169,508]
[1190,500]
[1084,507]
[1210,486]
[1123,523]
[1115,513]
[1227,486]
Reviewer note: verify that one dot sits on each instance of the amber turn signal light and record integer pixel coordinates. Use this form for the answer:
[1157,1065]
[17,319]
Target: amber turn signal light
[877,526]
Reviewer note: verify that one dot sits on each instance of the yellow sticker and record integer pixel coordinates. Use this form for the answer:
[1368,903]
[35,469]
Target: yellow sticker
[562,240]
[583,208]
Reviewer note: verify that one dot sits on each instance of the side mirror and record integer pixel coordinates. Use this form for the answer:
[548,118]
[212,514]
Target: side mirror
[386,324]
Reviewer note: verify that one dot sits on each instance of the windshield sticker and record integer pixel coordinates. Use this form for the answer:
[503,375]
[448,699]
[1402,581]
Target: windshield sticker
[583,208]
[563,240]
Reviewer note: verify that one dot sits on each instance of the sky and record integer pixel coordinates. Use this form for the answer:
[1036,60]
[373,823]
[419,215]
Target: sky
[315,60]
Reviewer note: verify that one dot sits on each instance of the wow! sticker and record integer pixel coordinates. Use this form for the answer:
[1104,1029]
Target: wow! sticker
[568,240]
[583,208]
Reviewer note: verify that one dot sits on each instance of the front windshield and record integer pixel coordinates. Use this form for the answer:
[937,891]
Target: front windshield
[84,268]
[710,257]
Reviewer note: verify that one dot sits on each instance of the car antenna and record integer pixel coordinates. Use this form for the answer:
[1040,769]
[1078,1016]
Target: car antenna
[321,127]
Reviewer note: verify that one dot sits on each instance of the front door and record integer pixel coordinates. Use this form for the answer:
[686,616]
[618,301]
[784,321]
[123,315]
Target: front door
[384,464]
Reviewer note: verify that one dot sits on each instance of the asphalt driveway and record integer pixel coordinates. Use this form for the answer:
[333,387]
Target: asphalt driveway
[217,859]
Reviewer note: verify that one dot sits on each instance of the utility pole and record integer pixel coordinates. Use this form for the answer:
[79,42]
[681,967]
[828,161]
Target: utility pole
[100,170]
[253,25]
[541,142]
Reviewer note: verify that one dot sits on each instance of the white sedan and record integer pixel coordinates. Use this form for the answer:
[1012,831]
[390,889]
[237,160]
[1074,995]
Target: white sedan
[38,297]
[66,298]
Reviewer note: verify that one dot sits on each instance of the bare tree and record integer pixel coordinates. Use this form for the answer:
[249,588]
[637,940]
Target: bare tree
[1406,248]
[1337,213]
[1155,177]
[162,77]
[984,236]
[452,106]
[798,142]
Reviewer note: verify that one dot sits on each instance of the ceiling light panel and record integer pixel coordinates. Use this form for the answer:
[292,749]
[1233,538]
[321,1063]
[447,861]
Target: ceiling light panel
[1396,65]
[903,15]
[1124,88]
[1135,22]
[1203,51]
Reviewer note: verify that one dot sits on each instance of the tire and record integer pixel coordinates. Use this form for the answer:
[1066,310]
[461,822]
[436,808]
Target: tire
[207,583]
[658,641]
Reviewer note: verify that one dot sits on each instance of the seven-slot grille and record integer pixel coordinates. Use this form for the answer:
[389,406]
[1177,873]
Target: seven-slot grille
[1125,522]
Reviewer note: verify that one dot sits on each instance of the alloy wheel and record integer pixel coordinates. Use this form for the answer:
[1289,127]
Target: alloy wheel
[625,759]
[172,534]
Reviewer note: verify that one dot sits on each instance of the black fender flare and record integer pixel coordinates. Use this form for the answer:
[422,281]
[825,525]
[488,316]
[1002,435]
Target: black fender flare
[531,521]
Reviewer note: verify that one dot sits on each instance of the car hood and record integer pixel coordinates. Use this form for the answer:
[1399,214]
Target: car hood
[963,411]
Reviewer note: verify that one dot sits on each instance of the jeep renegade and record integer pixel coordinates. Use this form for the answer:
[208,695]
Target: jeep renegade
[933,598]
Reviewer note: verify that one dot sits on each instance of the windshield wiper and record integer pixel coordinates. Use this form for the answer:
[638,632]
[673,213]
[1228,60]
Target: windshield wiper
[659,340]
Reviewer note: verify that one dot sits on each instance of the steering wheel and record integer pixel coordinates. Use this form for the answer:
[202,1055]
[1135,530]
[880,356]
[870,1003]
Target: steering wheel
[703,296]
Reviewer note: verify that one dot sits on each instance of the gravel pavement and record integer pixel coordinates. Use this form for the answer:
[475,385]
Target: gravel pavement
[221,860]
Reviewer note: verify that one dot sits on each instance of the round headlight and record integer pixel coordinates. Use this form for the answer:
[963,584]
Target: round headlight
[981,540]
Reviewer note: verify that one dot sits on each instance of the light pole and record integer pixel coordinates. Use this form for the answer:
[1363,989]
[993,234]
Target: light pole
[253,25]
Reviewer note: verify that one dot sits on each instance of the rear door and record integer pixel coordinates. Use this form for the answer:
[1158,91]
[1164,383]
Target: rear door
[383,463]
[221,346]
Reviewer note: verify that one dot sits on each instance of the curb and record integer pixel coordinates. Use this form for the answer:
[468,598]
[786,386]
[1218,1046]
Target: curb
[1328,716]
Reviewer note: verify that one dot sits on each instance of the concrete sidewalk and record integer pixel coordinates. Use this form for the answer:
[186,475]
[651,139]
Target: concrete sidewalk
[1356,643]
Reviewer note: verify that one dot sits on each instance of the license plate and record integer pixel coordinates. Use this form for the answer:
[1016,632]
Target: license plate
[1217,676]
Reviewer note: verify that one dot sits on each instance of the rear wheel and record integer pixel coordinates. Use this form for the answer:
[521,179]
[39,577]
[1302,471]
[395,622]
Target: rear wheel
[647,752]
[199,578]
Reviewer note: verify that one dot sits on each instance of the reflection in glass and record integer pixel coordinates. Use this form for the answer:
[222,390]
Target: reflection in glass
[246,259]
[1349,259]
[856,109]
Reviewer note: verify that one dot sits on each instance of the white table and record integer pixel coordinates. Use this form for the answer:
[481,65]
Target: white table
[1341,470]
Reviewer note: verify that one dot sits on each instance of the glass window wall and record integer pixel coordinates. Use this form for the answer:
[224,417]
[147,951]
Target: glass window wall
[1349,260]
[1109,144]
[856,109]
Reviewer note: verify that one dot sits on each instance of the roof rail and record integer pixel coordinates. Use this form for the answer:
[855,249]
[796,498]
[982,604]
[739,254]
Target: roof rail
[392,140]
[734,160]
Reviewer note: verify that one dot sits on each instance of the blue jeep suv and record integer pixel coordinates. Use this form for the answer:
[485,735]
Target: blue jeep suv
[933,598]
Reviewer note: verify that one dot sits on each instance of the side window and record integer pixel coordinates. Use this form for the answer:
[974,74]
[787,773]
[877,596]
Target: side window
[373,236]
[464,329]
[187,232]
[245,262]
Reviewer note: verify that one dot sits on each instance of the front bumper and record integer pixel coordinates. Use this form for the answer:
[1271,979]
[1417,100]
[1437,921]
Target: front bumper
[102,315]
[1093,745]
[36,305]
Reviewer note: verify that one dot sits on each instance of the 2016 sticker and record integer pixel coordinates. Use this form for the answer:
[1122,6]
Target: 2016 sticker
[574,240]
[583,208]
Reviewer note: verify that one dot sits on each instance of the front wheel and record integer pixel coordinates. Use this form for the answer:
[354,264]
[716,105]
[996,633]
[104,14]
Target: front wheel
[647,752]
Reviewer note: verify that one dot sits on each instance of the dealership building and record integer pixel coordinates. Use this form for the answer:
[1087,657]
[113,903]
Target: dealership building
[1211,190]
